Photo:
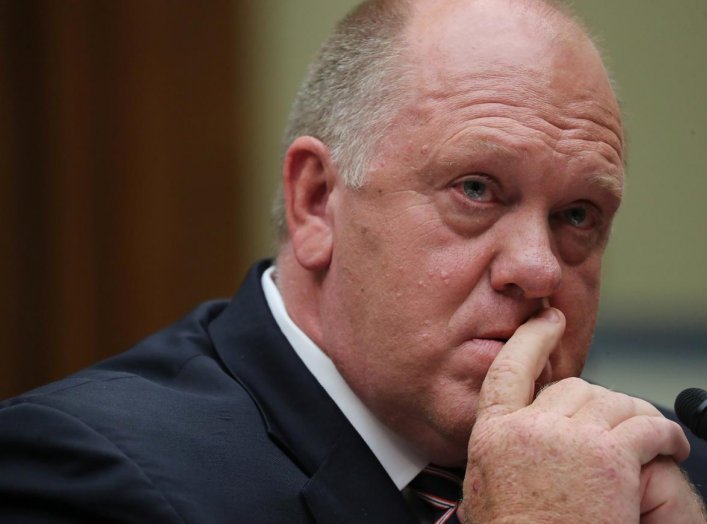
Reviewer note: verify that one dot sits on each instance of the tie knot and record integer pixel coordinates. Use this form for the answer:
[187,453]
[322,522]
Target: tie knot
[440,489]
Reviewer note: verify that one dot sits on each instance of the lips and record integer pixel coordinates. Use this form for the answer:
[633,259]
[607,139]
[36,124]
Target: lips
[490,341]
[500,335]
[492,345]
[498,327]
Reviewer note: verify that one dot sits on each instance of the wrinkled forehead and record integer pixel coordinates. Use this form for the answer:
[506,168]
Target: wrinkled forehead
[465,45]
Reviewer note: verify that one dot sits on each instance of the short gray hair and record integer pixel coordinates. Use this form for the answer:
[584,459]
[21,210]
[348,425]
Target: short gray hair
[351,89]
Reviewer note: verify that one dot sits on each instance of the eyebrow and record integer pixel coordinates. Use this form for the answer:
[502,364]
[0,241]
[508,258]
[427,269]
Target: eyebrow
[612,183]
[479,146]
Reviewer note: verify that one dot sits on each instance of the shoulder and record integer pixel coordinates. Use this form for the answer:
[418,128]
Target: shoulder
[156,432]
[53,465]
[164,373]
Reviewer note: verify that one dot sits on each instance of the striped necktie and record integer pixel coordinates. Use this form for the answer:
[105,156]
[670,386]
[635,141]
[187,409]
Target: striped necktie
[441,490]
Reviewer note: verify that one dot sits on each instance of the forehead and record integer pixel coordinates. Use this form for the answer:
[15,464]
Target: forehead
[453,31]
[499,58]
[480,37]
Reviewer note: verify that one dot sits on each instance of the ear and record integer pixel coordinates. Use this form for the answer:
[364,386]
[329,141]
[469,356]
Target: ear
[309,178]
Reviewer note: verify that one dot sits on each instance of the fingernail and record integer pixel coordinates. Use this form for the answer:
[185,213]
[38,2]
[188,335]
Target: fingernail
[550,314]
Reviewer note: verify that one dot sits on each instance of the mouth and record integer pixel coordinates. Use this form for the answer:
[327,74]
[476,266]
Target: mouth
[483,352]
[490,344]
[500,336]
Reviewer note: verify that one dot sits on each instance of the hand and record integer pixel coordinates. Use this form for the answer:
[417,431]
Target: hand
[576,453]
[668,496]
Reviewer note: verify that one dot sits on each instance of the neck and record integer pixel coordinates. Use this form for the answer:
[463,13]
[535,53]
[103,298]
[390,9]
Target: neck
[300,291]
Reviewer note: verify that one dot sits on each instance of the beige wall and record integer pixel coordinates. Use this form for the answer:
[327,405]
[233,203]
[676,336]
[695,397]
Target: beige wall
[658,51]
[655,268]
[289,34]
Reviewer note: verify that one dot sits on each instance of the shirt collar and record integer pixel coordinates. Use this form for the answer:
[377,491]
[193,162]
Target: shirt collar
[397,457]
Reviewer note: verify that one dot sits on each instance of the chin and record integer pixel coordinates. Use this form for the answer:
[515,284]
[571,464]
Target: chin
[451,456]
[450,448]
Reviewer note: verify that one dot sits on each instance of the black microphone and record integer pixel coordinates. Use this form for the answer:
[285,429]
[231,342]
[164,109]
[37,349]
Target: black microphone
[691,408]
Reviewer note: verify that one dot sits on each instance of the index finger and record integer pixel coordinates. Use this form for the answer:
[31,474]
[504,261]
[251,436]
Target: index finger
[510,381]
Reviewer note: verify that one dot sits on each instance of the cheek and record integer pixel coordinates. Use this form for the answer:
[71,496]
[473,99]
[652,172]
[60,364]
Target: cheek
[579,301]
[406,256]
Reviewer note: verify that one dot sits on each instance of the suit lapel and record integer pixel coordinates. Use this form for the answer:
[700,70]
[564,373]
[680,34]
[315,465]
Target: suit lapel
[347,483]
[346,489]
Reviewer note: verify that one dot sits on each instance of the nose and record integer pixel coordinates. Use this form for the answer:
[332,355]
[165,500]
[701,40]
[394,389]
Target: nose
[525,264]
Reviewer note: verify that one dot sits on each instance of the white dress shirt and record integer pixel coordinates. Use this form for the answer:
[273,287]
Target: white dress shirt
[398,459]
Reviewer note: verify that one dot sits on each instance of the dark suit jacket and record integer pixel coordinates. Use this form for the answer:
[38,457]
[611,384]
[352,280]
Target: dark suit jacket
[212,420]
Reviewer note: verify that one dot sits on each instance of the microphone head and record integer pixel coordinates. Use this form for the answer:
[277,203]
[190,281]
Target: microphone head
[691,409]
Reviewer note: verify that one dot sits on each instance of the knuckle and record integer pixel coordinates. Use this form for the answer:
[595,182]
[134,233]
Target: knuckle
[566,385]
[661,425]
[506,369]
[573,383]
[489,410]
[643,406]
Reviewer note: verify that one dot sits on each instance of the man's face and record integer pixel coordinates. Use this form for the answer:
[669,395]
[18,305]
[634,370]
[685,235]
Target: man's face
[495,190]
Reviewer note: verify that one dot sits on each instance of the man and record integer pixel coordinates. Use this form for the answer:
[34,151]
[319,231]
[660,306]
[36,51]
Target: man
[451,174]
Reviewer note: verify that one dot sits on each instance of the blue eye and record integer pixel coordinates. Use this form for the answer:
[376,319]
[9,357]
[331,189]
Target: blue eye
[476,190]
[577,216]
